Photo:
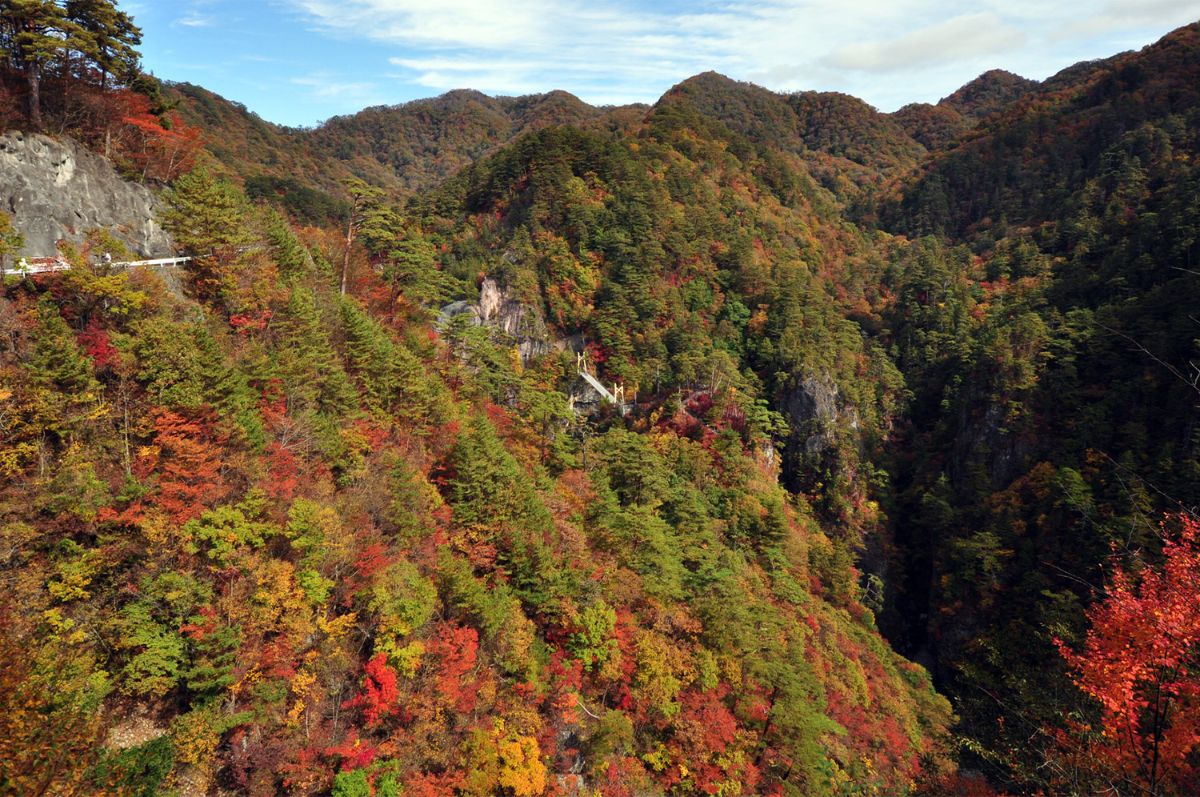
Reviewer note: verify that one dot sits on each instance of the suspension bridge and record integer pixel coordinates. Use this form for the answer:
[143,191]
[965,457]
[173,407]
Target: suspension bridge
[616,396]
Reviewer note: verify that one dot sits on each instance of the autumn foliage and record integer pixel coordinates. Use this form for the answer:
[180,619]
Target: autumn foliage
[186,451]
[1140,662]
[266,530]
[379,693]
[157,147]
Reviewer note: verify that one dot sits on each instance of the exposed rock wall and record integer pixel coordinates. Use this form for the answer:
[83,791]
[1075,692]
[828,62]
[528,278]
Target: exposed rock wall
[58,190]
[812,409]
[523,323]
[824,430]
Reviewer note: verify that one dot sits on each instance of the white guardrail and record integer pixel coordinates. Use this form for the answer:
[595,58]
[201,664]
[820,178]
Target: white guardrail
[44,265]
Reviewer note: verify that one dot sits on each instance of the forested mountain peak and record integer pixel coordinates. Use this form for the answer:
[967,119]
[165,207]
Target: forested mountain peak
[425,141]
[744,107]
[401,147]
[938,126]
[1042,147]
[992,91]
[848,145]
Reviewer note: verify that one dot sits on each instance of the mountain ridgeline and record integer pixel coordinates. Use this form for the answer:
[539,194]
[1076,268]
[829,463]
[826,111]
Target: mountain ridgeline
[403,148]
[905,423]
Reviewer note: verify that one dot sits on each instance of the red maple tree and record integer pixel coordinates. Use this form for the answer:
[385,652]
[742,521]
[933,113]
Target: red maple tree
[160,149]
[380,692]
[456,649]
[1141,663]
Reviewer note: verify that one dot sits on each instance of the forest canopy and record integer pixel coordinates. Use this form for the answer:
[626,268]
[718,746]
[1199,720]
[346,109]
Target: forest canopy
[334,508]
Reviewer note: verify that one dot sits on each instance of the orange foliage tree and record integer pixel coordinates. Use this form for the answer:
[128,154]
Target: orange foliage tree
[189,464]
[1141,663]
[160,148]
[456,648]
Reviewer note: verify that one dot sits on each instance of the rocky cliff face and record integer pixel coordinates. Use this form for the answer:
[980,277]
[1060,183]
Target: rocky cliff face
[823,428]
[58,190]
[521,322]
[812,410]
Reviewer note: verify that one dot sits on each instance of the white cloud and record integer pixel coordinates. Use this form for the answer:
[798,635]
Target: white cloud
[626,50]
[196,21]
[197,15]
[1124,14]
[953,40]
[322,85]
[436,23]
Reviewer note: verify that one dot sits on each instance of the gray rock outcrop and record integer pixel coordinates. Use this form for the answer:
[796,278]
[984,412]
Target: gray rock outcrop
[812,410]
[822,424]
[58,190]
[522,323]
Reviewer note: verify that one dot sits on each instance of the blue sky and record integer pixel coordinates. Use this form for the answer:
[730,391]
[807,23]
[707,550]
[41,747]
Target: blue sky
[298,62]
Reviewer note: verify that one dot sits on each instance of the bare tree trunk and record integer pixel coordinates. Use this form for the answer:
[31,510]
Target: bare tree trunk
[128,457]
[33,75]
[346,256]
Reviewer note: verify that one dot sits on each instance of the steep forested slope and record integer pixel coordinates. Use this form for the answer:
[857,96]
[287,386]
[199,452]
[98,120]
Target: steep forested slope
[275,163]
[1048,341]
[691,260]
[262,537]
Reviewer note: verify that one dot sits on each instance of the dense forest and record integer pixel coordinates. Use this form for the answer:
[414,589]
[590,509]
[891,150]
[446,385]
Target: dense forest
[898,496]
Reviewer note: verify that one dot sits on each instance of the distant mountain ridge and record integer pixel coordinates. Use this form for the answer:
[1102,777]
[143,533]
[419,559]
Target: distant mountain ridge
[938,126]
[425,141]
[1045,141]
[849,146]
[402,148]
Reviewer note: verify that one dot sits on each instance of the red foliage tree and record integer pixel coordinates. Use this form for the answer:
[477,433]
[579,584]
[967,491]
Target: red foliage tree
[354,752]
[284,469]
[380,694]
[95,341]
[189,459]
[1141,663]
[565,682]
[704,729]
[159,149]
[457,650]
[425,784]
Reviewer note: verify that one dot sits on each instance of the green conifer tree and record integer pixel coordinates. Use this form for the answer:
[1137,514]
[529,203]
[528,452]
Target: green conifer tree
[81,34]
[60,373]
[310,368]
[106,37]
[34,32]
[209,219]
